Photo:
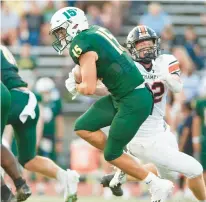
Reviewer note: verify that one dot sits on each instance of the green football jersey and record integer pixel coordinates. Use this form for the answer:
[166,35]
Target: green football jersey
[9,70]
[201,112]
[114,66]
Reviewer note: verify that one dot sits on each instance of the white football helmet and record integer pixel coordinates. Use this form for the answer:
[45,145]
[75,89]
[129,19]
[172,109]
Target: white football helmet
[44,84]
[66,23]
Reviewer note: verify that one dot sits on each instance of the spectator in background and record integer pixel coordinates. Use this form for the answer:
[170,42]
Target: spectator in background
[112,18]
[25,60]
[23,31]
[189,78]
[193,47]
[156,18]
[9,25]
[53,123]
[53,129]
[61,4]
[45,38]
[34,19]
[169,39]
[48,11]
[93,15]
[185,142]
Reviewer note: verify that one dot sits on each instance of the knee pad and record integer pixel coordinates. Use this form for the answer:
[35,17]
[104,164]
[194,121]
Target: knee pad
[197,170]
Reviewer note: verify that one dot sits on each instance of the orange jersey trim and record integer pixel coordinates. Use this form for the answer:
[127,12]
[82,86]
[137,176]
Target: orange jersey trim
[174,67]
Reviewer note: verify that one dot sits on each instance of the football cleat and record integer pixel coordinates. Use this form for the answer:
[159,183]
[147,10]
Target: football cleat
[23,192]
[70,186]
[10,199]
[116,190]
[160,190]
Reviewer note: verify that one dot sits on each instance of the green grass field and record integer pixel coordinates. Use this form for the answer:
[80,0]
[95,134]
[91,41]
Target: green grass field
[92,199]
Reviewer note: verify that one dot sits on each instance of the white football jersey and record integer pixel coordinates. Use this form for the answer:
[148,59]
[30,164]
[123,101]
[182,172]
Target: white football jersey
[155,122]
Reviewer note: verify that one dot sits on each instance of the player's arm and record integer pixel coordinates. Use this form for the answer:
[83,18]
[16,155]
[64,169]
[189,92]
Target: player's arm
[171,76]
[40,126]
[196,134]
[88,70]
[174,83]
[101,89]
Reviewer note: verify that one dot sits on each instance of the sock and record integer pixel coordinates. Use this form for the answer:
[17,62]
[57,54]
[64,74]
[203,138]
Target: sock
[5,192]
[61,176]
[150,177]
[19,182]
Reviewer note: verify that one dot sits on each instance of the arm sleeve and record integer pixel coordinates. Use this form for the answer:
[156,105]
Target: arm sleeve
[174,66]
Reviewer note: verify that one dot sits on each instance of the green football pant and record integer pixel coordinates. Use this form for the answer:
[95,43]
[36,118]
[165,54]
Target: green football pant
[5,106]
[25,133]
[125,117]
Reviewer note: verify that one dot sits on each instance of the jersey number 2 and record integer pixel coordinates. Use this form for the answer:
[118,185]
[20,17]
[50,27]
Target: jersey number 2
[158,90]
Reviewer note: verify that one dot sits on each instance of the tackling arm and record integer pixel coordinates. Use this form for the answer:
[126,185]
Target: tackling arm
[173,82]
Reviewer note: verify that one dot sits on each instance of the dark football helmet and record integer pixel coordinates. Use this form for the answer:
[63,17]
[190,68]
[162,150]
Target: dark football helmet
[142,33]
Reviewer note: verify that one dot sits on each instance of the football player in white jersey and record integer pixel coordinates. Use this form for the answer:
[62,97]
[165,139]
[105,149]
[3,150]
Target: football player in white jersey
[154,142]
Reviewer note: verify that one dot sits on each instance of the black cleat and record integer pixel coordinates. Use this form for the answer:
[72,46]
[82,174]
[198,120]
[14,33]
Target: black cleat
[23,192]
[117,190]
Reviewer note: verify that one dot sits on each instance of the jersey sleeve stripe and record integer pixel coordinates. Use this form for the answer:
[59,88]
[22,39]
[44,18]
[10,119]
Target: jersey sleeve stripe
[173,68]
[176,72]
[173,62]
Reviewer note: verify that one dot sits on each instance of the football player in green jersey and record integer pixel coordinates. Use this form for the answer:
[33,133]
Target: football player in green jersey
[23,116]
[8,161]
[100,55]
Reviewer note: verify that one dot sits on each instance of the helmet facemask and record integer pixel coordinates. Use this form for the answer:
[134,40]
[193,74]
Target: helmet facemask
[62,38]
[150,53]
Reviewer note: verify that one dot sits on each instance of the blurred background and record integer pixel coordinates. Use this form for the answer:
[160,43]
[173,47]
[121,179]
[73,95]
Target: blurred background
[25,31]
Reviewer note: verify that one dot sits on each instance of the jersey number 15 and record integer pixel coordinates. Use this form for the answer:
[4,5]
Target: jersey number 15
[111,39]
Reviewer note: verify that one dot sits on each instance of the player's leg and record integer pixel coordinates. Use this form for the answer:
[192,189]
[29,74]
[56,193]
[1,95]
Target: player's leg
[9,164]
[5,106]
[6,194]
[133,111]
[133,114]
[170,159]
[25,134]
[8,161]
[99,115]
